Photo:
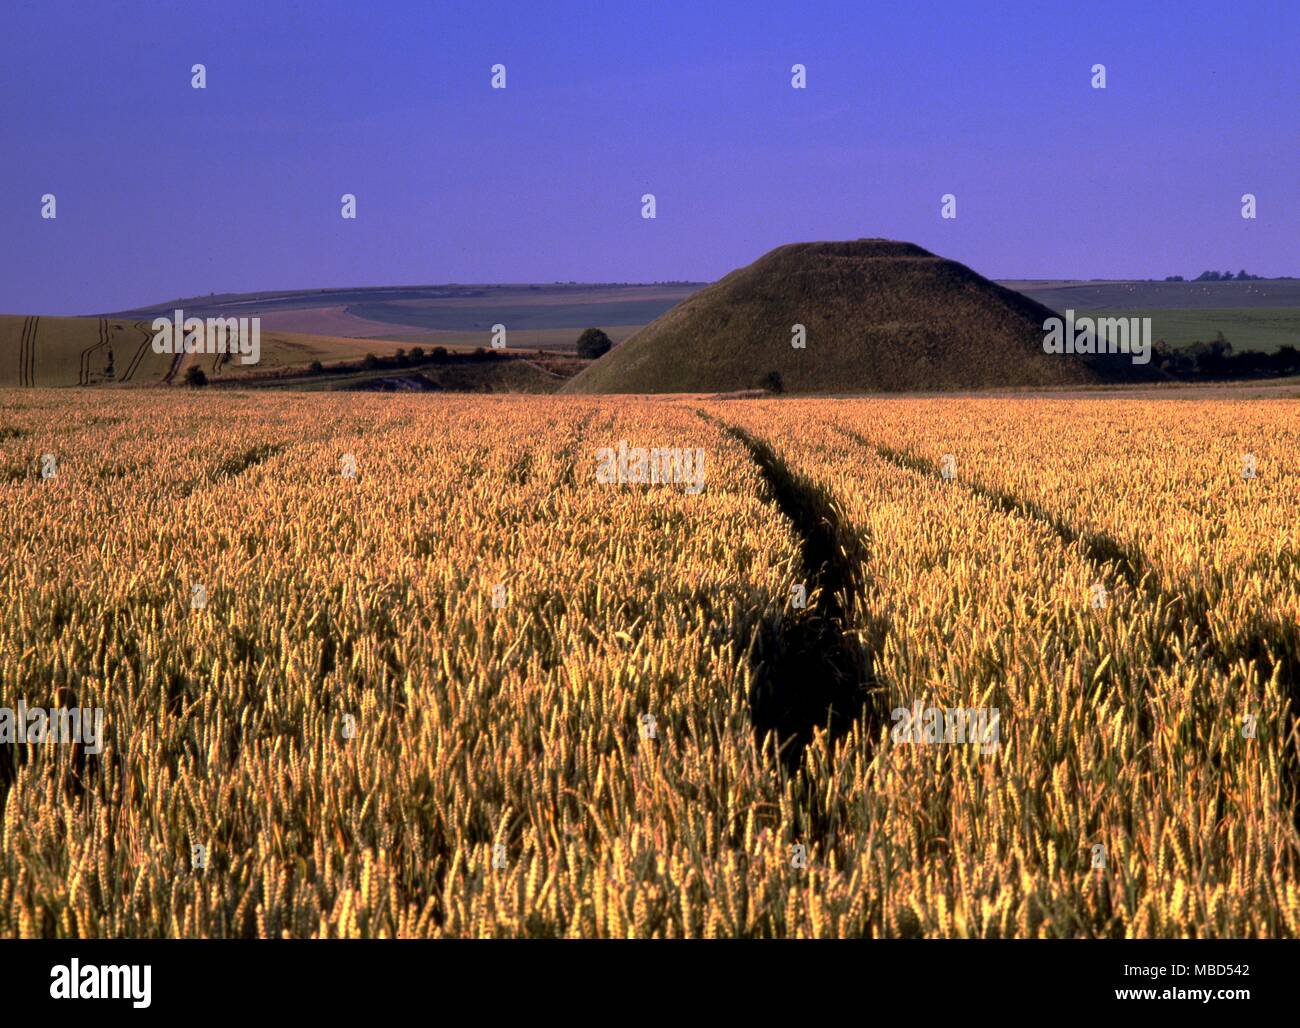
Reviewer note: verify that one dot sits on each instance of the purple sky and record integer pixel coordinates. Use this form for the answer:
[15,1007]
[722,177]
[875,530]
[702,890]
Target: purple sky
[167,191]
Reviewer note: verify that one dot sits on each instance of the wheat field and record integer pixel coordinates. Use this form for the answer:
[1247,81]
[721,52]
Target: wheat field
[378,666]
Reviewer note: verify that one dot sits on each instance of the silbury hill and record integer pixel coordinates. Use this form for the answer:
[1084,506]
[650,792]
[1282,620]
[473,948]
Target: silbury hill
[877,315]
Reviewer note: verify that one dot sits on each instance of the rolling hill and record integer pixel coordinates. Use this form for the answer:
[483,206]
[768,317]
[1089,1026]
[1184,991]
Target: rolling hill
[537,316]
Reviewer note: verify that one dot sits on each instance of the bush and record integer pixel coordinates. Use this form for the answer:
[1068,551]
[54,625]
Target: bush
[315,367]
[439,354]
[417,353]
[773,382]
[593,343]
[194,377]
[1286,361]
[371,362]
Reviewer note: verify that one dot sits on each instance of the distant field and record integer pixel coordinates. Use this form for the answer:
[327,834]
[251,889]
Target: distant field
[535,316]
[1251,315]
[40,351]
[1247,328]
[345,324]
[1123,296]
[1260,315]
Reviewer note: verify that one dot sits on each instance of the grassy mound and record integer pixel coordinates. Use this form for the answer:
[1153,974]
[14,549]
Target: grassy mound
[878,315]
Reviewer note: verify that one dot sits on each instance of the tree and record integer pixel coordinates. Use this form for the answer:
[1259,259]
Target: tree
[1213,359]
[194,377]
[439,354]
[593,343]
[315,367]
[1286,361]
[371,362]
[417,353]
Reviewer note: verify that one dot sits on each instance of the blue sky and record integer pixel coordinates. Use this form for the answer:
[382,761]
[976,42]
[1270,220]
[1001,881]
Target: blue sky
[165,191]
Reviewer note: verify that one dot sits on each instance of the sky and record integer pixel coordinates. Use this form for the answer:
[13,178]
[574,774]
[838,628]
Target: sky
[164,191]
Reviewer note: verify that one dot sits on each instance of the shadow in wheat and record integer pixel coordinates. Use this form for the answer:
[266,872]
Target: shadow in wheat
[812,670]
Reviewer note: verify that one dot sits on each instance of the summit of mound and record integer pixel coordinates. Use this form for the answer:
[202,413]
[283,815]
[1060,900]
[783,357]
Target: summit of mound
[879,315]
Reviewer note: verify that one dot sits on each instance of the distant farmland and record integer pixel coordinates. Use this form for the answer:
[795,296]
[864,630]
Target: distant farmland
[1247,328]
[1123,295]
[1252,315]
[535,316]
[40,351]
[345,324]
[1260,315]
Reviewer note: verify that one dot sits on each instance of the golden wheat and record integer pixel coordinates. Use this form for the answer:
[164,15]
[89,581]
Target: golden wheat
[473,692]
